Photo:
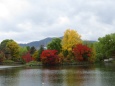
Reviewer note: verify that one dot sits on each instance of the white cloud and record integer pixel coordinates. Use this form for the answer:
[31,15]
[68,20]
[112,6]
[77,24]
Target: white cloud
[63,20]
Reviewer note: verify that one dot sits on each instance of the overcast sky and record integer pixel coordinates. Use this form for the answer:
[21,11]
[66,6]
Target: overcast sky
[32,20]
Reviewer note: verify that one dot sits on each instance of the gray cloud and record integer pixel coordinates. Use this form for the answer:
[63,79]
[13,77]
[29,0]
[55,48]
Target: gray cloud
[28,20]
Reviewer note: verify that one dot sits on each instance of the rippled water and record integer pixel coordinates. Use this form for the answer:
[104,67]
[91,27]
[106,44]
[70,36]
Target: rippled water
[99,75]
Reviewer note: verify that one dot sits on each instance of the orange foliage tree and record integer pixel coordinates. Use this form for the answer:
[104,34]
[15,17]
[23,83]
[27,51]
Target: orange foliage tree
[82,52]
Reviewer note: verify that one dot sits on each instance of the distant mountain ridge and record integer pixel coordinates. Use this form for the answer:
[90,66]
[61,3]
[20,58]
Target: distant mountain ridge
[37,44]
[44,42]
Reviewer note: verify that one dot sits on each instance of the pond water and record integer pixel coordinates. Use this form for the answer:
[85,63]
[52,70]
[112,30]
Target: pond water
[98,75]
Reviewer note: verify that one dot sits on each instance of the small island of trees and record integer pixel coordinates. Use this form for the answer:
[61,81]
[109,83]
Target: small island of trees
[71,49]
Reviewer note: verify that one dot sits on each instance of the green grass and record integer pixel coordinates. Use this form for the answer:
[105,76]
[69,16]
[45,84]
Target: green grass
[8,62]
[113,61]
[34,63]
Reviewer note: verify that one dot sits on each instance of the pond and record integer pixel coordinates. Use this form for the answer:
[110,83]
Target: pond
[89,75]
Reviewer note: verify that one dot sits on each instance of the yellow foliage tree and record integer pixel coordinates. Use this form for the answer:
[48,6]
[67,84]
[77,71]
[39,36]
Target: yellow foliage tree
[93,55]
[14,49]
[35,55]
[71,37]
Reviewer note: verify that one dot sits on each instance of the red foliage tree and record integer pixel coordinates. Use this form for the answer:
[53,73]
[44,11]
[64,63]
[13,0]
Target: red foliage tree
[27,57]
[82,52]
[50,57]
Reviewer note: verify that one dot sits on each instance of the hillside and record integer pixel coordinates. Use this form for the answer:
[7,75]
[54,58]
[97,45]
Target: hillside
[44,42]
[37,44]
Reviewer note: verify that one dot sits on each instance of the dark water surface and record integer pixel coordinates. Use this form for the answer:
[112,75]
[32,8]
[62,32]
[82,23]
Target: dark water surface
[98,75]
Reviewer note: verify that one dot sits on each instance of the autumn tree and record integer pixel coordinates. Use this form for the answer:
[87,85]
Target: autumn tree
[22,51]
[91,44]
[2,56]
[14,49]
[82,52]
[3,45]
[55,44]
[92,58]
[70,38]
[50,57]
[10,48]
[7,53]
[35,55]
[27,57]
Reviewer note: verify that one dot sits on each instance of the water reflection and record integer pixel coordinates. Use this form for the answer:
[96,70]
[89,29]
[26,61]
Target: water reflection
[52,75]
[7,77]
[99,75]
[77,76]
[107,75]
[69,76]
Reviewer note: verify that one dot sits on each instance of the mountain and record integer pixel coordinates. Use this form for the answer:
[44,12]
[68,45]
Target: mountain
[45,41]
[37,44]
[88,41]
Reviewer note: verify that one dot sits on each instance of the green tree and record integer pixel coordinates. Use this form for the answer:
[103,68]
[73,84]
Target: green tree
[99,54]
[55,44]
[106,46]
[28,48]
[32,50]
[40,52]
[22,51]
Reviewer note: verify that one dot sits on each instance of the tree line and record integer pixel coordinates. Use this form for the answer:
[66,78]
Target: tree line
[70,49]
